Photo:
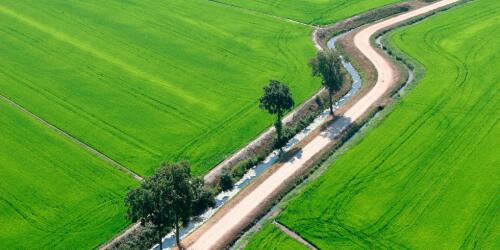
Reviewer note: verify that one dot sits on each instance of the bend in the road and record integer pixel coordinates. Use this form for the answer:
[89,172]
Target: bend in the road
[229,222]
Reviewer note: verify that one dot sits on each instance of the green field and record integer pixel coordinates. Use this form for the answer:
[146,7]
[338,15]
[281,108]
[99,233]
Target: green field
[427,177]
[139,81]
[148,81]
[272,238]
[151,81]
[315,12]
[53,194]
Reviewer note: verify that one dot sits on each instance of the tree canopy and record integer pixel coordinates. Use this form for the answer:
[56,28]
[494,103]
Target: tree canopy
[169,199]
[327,65]
[277,99]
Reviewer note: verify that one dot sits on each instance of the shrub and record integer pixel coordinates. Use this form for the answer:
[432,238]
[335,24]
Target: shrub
[226,180]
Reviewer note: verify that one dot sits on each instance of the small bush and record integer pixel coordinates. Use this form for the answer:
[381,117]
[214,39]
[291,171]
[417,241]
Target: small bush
[240,169]
[226,180]
[318,101]
[142,238]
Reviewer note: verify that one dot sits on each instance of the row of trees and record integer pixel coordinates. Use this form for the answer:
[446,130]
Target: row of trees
[277,98]
[171,197]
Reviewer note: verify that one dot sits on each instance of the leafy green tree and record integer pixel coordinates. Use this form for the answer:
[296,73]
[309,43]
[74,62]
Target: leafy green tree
[168,199]
[327,65]
[277,99]
[203,198]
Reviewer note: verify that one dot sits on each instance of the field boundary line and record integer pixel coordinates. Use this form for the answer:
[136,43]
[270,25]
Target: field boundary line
[262,13]
[294,235]
[73,139]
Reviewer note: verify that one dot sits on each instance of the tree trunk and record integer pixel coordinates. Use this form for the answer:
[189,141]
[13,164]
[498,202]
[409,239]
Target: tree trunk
[160,239]
[279,131]
[279,126]
[330,98]
[177,240]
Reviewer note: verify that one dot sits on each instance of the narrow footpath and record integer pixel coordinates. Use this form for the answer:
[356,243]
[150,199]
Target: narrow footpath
[222,229]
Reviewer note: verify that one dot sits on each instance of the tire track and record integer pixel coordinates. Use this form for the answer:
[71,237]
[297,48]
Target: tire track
[447,140]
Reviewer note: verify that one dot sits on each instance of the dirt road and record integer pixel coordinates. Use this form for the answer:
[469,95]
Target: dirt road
[222,227]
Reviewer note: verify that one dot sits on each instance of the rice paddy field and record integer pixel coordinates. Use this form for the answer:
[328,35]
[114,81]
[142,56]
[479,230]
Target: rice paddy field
[316,12]
[272,238]
[139,81]
[150,81]
[54,194]
[427,176]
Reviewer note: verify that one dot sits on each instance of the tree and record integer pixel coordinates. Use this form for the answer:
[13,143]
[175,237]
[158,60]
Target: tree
[327,65]
[202,197]
[168,199]
[277,99]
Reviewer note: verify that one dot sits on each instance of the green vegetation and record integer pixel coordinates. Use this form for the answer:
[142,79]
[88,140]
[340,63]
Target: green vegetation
[149,81]
[309,11]
[169,199]
[277,100]
[54,194]
[327,65]
[140,81]
[271,237]
[427,176]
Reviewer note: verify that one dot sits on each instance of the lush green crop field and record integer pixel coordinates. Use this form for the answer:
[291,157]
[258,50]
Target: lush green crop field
[428,176]
[140,81]
[310,11]
[53,194]
[271,237]
[147,81]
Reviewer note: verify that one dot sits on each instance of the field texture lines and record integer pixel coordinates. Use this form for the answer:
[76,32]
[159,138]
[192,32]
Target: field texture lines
[89,85]
[309,11]
[427,176]
[53,193]
[151,81]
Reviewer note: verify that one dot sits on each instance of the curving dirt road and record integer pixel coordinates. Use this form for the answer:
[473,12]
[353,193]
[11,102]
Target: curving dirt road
[220,229]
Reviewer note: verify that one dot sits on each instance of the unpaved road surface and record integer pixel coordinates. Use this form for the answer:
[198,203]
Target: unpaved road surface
[218,232]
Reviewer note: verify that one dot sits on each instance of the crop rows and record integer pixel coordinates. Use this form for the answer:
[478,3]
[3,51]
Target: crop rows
[427,175]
